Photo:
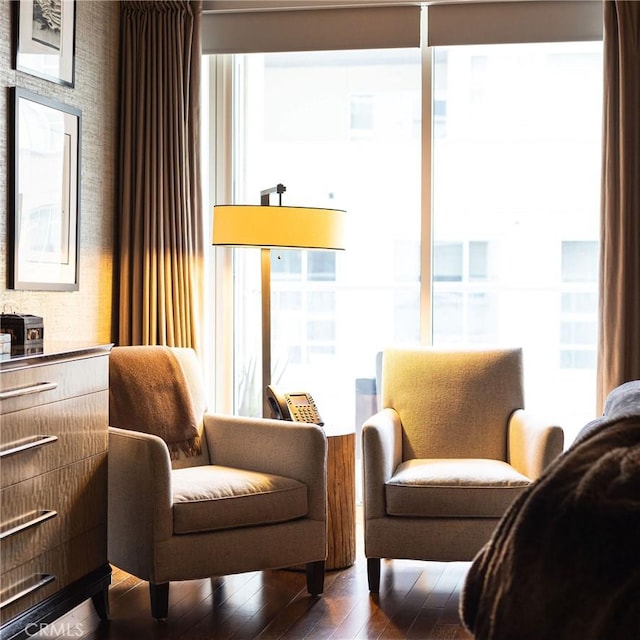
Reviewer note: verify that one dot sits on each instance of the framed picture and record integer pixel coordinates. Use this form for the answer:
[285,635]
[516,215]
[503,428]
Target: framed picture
[45,195]
[45,40]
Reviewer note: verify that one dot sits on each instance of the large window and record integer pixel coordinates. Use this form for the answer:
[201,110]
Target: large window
[511,158]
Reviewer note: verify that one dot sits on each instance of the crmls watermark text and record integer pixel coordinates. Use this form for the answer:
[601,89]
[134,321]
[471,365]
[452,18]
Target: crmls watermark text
[54,630]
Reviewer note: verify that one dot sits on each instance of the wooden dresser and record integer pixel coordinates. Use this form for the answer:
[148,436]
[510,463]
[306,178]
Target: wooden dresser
[53,486]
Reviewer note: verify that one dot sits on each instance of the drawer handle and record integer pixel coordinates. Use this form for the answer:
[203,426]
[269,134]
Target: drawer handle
[41,579]
[25,445]
[26,521]
[25,391]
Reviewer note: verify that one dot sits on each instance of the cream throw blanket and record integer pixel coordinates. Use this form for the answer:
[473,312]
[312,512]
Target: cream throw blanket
[148,392]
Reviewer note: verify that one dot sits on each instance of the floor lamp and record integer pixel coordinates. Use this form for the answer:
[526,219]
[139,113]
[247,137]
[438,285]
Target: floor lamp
[271,227]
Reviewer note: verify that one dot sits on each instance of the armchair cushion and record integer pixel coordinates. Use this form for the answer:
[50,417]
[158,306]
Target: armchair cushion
[212,497]
[453,487]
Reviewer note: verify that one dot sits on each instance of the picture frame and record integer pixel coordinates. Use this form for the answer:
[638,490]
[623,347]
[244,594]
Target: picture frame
[45,39]
[44,230]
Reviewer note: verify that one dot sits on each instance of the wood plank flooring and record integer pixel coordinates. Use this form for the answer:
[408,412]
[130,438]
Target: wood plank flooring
[417,600]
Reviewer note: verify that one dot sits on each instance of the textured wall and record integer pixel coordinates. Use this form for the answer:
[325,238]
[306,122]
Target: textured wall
[83,315]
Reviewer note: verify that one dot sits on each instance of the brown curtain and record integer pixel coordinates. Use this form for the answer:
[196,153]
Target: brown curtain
[619,341]
[160,218]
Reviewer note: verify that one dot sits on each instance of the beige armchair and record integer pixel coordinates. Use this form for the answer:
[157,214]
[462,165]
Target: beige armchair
[253,498]
[447,454]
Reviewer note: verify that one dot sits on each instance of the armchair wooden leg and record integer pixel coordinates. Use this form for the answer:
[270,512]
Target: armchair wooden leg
[101,603]
[159,594]
[373,574]
[315,577]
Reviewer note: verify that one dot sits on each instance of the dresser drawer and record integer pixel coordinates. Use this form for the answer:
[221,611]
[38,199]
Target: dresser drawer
[40,439]
[45,511]
[39,385]
[53,570]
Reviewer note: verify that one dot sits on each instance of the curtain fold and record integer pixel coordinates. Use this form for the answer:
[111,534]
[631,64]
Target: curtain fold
[161,246]
[619,337]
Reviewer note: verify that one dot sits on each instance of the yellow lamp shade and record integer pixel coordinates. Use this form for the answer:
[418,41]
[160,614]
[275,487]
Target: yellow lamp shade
[278,226]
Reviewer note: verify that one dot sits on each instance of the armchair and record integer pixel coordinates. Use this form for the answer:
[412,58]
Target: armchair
[447,454]
[252,498]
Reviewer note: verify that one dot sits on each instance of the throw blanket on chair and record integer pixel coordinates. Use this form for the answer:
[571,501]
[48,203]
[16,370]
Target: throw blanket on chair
[148,392]
[564,562]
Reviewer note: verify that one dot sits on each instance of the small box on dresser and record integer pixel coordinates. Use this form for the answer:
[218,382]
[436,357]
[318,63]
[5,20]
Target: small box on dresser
[26,331]
[53,486]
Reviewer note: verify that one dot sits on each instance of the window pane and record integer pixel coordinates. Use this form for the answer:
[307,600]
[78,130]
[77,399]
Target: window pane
[478,260]
[321,265]
[447,262]
[290,300]
[361,120]
[483,318]
[579,261]
[286,264]
[448,317]
[578,359]
[406,323]
[516,211]
[324,301]
[580,302]
[579,333]
[407,260]
[321,331]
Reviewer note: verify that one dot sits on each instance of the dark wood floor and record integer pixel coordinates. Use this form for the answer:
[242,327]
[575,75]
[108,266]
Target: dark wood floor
[416,600]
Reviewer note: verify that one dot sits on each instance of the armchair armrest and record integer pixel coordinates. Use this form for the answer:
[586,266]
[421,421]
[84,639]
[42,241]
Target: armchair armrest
[533,444]
[139,498]
[293,449]
[381,454]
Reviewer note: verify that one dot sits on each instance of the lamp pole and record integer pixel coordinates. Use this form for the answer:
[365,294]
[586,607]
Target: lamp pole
[265,263]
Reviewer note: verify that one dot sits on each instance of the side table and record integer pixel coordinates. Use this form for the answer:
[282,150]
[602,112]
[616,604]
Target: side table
[341,499]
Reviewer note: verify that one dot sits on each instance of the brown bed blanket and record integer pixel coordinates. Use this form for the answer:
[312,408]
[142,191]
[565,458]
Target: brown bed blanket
[564,562]
[148,392]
